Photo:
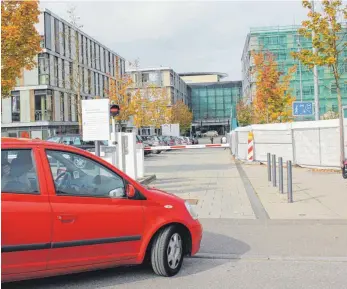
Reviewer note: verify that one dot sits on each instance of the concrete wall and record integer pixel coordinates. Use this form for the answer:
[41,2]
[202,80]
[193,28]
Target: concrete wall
[310,143]
[6,114]
[25,105]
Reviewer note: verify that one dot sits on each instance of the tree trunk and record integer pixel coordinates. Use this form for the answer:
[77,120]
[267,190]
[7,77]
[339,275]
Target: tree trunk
[341,128]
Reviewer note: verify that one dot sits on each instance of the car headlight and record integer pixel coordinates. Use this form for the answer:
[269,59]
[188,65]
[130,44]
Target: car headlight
[191,210]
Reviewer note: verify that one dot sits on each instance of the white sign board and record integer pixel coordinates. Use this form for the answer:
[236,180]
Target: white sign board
[96,119]
[170,129]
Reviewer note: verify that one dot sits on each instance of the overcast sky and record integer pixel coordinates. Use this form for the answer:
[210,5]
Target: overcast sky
[187,36]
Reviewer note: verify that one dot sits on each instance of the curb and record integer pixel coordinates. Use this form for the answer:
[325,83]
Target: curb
[147,179]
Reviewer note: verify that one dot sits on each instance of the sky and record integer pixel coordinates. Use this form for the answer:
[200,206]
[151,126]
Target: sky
[187,36]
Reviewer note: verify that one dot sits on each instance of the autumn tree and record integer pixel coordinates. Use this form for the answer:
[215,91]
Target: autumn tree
[244,113]
[328,36]
[20,41]
[181,114]
[273,98]
[159,107]
[140,106]
[119,93]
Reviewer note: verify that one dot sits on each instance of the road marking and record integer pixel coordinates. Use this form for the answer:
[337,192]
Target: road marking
[258,209]
[270,258]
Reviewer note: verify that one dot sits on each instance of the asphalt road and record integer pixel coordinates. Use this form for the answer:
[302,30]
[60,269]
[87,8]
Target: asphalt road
[236,253]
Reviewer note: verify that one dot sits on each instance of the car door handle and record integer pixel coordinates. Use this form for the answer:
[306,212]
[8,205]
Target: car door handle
[66,218]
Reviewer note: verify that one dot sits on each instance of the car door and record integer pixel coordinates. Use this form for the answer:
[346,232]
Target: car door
[93,221]
[25,211]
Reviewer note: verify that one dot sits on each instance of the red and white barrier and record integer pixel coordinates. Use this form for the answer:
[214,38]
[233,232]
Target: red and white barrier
[250,154]
[179,147]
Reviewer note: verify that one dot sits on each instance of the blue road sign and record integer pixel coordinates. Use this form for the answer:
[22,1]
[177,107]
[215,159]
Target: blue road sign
[301,108]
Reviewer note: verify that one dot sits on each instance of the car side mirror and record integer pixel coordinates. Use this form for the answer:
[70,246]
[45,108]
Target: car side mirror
[130,191]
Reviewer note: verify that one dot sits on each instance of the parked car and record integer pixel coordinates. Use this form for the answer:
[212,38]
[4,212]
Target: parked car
[75,140]
[139,139]
[155,141]
[71,221]
[211,133]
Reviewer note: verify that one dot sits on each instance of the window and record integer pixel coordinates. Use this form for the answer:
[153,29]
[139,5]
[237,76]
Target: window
[82,49]
[69,40]
[48,31]
[63,38]
[76,175]
[71,75]
[18,172]
[63,72]
[56,71]
[15,101]
[43,105]
[43,68]
[89,82]
[57,36]
[62,106]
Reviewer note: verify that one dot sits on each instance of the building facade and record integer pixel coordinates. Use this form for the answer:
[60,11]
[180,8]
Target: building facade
[161,77]
[44,101]
[202,77]
[213,105]
[281,41]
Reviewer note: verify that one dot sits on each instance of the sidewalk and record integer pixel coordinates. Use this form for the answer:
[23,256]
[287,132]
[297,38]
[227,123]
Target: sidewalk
[316,195]
[206,177]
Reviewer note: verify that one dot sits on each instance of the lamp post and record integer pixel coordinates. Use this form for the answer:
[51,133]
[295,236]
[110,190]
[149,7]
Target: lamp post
[315,76]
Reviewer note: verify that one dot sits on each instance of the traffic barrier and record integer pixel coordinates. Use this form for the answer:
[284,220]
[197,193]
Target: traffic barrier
[250,154]
[179,147]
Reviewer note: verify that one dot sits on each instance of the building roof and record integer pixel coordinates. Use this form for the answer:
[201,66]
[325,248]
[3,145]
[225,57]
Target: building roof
[220,74]
[149,69]
[219,83]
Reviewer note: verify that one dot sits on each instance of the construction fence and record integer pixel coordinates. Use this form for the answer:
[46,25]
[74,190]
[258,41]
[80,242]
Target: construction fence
[308,143]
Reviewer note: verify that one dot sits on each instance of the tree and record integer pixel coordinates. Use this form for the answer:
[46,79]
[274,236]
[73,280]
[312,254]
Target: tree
[330,115]
[20,41]
[181,114]
[244,113]
[273,99]
[141,105]
[119,93]
[329,42]
[159,107]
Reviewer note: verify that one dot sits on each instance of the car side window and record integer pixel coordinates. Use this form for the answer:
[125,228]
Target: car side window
[18,172]
[76,175]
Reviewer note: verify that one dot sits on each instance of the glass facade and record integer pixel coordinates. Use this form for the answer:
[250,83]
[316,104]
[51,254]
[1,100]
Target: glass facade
[281,41]
[214,101]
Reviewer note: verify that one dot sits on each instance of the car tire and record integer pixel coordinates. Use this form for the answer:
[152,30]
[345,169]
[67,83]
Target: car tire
[167,252]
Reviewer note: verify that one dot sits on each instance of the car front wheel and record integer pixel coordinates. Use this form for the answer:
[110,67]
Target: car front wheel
[167,252]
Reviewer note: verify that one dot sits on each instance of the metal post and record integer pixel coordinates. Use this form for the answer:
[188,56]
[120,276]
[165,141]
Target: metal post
[97,148]
[269,167]
[289,182]
[315,76]
[274,170]
[280,174]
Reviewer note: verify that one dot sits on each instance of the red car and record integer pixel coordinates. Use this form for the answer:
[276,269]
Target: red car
[59,218]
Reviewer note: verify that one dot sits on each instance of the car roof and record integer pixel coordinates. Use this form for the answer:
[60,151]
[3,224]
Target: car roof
[28,141]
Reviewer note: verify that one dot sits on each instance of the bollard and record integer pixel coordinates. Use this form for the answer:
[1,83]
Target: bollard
[280,174]
[269,167]
[290,182]
[97,148]
[274,171]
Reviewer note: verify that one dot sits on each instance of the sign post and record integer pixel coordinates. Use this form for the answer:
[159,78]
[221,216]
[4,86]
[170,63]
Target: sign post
[302,108]
[95,121]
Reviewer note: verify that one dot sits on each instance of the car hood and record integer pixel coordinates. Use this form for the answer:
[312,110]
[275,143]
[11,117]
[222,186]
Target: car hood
[160,195]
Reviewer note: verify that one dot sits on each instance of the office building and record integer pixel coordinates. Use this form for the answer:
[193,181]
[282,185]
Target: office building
[163,77]
[281,41]
[43,102]
[213,102]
